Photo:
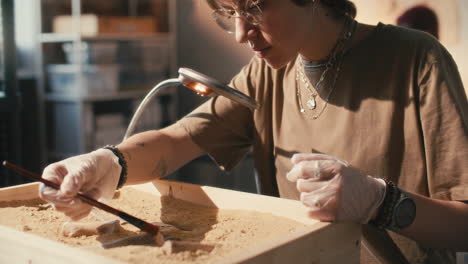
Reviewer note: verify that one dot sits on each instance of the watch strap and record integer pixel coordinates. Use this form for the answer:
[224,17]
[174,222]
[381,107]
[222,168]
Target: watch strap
[386,217]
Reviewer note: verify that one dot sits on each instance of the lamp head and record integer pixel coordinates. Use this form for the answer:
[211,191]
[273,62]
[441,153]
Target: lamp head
[207,86]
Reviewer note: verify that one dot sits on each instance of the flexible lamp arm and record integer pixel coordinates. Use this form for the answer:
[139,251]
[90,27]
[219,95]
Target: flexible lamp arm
[144,103]
[200,83]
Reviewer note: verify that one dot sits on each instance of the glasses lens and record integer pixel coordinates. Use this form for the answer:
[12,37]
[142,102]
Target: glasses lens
[225,19]
[252,13]
[251,19]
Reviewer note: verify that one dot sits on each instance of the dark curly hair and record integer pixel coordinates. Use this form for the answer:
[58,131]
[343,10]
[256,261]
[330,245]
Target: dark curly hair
[339,7]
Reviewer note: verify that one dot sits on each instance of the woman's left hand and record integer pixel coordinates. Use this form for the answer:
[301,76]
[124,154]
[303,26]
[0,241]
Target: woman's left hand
[334,191]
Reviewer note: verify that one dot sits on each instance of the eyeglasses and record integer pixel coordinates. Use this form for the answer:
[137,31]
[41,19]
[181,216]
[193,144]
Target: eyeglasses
[226,17]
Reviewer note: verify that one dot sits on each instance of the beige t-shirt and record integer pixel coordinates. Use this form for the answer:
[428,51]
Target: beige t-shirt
[398,111]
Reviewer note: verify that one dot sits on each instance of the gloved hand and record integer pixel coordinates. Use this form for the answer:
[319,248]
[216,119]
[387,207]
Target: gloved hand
[95,174]
[335,191]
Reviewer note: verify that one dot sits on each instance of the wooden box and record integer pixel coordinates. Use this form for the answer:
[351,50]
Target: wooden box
[93,25]
[319,242]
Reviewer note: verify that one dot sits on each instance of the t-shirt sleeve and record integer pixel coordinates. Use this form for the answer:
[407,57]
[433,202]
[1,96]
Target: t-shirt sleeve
[224,128]
[444,121]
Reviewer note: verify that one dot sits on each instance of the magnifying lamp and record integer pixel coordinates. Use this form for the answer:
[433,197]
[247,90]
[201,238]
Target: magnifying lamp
[198,82]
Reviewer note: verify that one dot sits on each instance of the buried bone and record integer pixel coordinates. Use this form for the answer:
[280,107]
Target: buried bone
[75,229]
[168,246]
[138,240]
[172,247]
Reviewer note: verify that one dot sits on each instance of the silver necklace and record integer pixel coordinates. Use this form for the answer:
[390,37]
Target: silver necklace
[334,59]
[311,102]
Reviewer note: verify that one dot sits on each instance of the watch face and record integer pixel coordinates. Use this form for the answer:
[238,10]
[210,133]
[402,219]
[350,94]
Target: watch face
[405,213]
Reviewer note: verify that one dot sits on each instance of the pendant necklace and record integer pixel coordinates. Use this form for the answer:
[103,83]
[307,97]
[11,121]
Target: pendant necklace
[311,102]
[333,63]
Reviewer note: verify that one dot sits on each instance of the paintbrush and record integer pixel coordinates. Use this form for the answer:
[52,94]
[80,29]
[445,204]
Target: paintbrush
[144,226]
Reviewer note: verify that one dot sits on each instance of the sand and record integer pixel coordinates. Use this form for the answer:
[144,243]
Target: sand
[206,235]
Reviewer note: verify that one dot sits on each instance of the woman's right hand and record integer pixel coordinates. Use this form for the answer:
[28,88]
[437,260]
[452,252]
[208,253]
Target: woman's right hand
[95,174]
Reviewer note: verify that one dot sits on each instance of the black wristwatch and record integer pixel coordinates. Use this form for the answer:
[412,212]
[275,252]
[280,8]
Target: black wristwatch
[397,211]
[404,212]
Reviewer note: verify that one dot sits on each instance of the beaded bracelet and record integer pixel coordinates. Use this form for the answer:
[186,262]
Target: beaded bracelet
[122,163]
[385,213]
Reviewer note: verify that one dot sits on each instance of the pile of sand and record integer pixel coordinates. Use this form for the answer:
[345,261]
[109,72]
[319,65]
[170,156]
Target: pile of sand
[205,234]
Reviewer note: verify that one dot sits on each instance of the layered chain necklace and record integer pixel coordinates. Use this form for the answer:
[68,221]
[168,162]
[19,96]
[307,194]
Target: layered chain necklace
[334,62]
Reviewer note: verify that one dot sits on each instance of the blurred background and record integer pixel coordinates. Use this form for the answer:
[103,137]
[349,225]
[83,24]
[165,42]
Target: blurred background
[72,72]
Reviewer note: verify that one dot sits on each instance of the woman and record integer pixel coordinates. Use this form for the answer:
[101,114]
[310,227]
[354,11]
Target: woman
[361,123]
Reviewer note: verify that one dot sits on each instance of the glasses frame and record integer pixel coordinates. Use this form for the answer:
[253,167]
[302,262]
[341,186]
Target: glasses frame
[227,22]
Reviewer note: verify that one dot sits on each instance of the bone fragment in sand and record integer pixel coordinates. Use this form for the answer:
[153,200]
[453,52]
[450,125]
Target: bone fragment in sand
[75,229]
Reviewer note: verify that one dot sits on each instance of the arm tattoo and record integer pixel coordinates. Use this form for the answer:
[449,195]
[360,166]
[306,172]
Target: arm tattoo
[140,144]
[160,169]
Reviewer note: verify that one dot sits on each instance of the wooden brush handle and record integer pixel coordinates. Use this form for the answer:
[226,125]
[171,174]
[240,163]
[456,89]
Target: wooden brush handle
[145,226]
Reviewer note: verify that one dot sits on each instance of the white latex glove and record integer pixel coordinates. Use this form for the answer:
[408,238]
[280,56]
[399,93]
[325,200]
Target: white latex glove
[334,191]
[95,174]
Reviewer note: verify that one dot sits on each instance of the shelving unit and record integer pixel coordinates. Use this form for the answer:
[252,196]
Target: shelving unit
[84,101]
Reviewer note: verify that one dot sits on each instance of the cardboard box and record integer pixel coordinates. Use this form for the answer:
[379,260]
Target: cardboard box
[93,25]
[319,242]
